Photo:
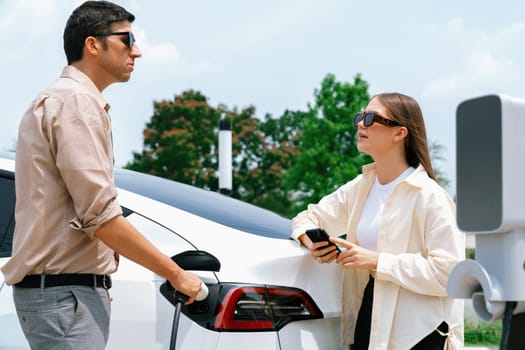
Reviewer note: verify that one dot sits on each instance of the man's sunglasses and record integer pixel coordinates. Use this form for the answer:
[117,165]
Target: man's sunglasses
[129,41]
[370,118]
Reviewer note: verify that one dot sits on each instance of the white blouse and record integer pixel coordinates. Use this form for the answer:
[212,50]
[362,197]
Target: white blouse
[368,227]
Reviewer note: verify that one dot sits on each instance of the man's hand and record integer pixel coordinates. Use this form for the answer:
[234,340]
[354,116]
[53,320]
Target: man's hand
[121,236]
[186,283]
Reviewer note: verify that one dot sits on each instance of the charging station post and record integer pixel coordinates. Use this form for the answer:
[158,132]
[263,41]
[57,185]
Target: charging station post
[490,159]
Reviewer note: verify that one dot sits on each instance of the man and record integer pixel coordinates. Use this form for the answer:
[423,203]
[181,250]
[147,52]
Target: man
[69,225]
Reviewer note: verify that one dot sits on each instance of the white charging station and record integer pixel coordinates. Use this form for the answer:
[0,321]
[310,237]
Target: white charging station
[490,163]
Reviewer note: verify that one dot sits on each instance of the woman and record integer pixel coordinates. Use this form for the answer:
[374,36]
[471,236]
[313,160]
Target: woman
[401,237]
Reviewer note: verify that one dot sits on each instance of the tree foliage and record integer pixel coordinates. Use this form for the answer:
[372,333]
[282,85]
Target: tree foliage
[327,150]
[436,154]
[180,141]
[279,163]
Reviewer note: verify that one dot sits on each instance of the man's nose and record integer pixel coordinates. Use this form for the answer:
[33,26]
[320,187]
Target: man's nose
[135,51]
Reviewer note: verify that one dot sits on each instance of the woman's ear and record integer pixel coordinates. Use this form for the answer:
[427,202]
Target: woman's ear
[401,133]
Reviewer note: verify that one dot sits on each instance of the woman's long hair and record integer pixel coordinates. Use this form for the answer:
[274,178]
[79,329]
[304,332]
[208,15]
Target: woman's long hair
[406,111]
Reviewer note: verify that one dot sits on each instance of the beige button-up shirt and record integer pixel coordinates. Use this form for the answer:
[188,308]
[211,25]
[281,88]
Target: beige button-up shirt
[64,182]
[418,244]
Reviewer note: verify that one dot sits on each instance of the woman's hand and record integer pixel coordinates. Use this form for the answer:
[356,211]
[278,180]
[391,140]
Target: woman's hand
[355,256]
[321,251]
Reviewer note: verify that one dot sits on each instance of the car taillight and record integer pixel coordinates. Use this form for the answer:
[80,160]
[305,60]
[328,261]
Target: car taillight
[263,308]
[237,307]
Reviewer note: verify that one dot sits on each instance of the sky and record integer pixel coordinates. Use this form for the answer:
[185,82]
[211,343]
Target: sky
[273,54]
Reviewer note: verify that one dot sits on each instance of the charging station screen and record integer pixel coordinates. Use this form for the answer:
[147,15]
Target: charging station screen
[479,164]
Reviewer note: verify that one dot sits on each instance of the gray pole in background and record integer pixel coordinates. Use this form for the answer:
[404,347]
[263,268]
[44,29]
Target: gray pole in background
[225,157]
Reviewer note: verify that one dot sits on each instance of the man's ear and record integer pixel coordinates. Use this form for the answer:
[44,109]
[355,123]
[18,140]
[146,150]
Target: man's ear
[91,46]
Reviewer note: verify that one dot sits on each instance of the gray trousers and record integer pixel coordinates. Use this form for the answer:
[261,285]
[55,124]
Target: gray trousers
[63,318]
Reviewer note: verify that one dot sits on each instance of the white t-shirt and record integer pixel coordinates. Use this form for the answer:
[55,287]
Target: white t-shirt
[368,227]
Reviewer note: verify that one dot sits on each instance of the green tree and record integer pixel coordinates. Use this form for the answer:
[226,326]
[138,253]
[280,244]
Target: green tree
[326,143]
[180,141]
[281,164]
[296,158]
[247,151]
[280,153]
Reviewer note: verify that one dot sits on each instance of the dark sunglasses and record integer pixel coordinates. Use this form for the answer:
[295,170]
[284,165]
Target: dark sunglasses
[129,41]
[370,118]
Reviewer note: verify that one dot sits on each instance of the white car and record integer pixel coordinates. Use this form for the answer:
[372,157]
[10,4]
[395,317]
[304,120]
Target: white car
[268,293]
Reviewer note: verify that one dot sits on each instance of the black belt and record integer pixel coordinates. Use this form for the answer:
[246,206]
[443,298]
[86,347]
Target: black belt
[66,279]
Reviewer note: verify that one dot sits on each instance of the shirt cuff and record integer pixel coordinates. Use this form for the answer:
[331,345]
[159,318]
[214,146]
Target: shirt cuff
[385,264]
[90,227]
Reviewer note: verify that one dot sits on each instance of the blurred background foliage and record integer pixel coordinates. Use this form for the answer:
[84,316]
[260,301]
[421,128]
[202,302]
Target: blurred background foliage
[280,163]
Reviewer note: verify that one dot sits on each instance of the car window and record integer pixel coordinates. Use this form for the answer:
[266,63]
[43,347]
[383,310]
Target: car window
[7,210]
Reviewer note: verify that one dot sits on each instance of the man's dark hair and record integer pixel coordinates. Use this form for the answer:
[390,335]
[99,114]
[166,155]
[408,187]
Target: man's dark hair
[92,17]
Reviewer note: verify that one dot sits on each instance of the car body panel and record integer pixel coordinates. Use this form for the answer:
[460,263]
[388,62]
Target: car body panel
[252,246]
[290,264]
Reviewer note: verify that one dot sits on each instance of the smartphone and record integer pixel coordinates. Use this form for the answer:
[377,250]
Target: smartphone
[318,235]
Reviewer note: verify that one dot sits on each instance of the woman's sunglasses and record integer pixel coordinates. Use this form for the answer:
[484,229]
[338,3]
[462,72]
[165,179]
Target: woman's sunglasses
[370,118]
[129,40]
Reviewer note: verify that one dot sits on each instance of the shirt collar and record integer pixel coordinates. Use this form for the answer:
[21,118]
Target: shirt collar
[417,178]
[72,72]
